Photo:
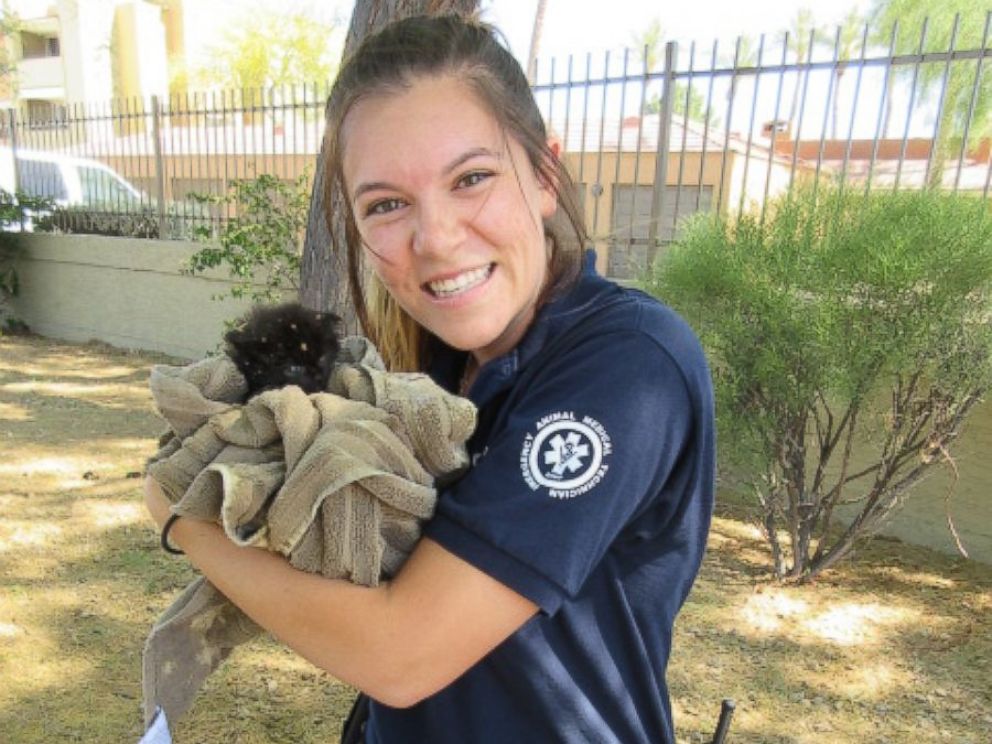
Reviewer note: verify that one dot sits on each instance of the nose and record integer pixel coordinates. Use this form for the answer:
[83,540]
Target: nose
[438,229]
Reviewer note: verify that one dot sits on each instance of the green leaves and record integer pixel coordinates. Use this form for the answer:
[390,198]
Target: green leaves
[261,244]
[274,49]
[839,307]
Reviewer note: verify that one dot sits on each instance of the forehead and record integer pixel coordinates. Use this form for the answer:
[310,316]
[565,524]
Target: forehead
[432,119]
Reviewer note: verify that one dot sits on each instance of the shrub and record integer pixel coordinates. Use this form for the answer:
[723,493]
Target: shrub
[16,211]
[849,337]
[180,221]
[261,246]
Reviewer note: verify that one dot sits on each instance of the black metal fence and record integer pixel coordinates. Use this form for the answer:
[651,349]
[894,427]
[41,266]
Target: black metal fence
[724,128]
[730,128]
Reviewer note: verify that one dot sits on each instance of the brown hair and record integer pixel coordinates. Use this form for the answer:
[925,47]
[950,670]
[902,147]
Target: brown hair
[391,61]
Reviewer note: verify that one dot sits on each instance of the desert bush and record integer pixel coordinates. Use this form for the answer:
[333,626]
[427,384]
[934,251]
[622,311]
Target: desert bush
[849,337]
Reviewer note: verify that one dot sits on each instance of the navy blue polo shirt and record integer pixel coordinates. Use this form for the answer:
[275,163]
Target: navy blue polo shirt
[590,493]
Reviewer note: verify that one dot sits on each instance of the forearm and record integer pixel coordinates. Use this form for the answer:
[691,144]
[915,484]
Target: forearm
[336,625]
[399,642]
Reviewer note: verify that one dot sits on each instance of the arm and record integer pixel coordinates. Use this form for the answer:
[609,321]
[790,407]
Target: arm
[399,642]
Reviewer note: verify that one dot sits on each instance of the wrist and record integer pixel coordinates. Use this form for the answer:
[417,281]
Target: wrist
[164,540]
[158,504]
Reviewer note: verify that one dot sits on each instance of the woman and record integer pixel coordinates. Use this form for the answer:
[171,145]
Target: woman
[539,605]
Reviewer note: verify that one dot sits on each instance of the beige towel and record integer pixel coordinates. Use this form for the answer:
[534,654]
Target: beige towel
[350,474]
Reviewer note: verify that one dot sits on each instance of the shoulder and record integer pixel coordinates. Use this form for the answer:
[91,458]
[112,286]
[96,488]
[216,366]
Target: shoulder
[622,333]
[621,362]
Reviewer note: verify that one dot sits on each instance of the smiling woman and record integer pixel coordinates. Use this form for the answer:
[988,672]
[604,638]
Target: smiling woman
[472,136]
[539,604]
[451,215]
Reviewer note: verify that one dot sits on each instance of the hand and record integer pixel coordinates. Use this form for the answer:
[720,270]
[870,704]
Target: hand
[157,502]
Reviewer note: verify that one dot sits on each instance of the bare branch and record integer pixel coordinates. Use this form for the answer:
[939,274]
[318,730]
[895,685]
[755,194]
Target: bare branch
[947,501]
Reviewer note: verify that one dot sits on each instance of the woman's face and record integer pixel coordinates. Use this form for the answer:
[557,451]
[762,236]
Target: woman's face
[450,212]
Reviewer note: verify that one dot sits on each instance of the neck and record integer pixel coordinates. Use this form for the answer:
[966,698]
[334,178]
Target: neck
[469,374]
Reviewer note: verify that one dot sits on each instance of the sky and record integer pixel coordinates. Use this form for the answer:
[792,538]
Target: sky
[572,26]
[580,26]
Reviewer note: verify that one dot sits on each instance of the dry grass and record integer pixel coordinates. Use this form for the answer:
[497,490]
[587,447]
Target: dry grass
[896,647]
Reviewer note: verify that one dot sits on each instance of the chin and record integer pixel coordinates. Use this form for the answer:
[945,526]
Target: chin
[485,344]
[465,336]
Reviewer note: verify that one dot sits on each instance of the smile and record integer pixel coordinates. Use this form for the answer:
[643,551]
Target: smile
[445,288]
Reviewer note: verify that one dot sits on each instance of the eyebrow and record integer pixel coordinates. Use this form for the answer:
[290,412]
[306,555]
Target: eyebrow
[475,152]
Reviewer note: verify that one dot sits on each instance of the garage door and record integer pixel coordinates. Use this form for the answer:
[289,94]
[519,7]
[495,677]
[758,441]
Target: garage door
[630,254]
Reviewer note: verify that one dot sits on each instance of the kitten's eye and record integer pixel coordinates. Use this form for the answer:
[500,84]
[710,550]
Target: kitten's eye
[383,206]
[473,179]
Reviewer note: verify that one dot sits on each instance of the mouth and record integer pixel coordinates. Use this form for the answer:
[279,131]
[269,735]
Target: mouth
[444,289]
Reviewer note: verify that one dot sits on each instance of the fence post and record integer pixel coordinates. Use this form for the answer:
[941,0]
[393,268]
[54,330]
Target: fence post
[159,166]
[664,140]
[12,119]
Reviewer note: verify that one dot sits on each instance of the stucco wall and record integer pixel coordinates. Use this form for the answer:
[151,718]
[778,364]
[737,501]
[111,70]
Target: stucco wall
[131,294]
[923,518]
[127,292]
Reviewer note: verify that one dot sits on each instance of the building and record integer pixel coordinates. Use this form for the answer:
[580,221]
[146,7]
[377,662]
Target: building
[65,52]
[908,163]
[707,168]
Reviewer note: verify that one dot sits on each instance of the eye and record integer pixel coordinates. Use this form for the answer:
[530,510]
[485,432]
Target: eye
[383,206]
[473,178]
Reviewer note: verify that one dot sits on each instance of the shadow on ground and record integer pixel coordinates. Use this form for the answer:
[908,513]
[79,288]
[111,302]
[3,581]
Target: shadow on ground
[892,647]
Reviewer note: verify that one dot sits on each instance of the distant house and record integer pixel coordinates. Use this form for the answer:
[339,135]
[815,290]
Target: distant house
[67,52]
[613,164]
[891,159]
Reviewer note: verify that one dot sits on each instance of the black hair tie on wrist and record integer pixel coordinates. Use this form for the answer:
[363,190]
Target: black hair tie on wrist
[165,535]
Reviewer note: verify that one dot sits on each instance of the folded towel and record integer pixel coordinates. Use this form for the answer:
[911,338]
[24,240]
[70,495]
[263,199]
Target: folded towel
[338,482]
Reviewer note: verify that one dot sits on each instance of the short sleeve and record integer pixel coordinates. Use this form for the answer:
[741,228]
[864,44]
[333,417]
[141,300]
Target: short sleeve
[586,448]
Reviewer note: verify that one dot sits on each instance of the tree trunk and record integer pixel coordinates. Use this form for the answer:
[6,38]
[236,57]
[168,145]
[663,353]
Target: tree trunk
[323,282]
[535,40]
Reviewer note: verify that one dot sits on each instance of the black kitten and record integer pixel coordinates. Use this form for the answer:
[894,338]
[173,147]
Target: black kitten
[279,345]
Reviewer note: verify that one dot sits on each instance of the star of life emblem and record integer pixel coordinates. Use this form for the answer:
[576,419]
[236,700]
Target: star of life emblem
[566,455]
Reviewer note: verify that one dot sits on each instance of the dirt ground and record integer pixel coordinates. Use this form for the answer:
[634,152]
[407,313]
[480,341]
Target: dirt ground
[83,578]
[895,647]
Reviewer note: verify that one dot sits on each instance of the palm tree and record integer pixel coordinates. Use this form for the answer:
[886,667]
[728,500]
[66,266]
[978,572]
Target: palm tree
[963,111]
[849,33]
[649,43]
[802,30]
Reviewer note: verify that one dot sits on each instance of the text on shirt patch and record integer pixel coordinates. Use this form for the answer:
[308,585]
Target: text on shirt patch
[566,455]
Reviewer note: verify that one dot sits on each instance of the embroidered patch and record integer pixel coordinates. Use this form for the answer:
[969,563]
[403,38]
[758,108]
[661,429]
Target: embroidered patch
[567,455]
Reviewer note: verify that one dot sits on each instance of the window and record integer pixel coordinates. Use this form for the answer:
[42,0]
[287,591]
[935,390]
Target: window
[37,46]
[101,187]
[40,178]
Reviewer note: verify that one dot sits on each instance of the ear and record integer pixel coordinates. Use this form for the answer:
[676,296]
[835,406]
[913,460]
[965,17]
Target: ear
[549,190]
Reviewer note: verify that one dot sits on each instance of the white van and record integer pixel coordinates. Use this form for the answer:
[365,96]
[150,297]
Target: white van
[67,180]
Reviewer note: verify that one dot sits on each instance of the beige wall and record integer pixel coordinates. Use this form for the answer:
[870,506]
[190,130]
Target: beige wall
[127,292]
[130,293]
[85,69]
[585,167]
[923,518]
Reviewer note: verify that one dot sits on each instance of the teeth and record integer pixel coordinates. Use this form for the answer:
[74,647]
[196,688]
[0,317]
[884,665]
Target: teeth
[462,282]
